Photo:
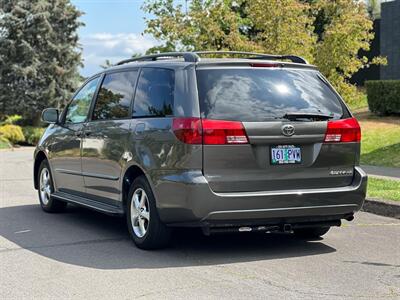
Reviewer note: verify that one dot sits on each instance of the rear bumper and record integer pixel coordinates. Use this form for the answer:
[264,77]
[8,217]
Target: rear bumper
[187,199]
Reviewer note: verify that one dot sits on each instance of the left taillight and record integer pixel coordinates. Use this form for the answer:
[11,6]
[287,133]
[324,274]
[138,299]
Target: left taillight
[188,130]
[209,132]
[343,131]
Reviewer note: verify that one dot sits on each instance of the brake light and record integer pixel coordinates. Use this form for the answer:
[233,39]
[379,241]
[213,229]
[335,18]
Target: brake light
[188,130]
[217,132]
[344,131]
[264,65]
[209,132]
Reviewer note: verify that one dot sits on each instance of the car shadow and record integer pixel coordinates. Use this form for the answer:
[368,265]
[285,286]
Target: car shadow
[86,238]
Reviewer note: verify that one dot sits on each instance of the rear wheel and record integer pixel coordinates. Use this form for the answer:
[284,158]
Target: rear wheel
[314,232]
[46,188]
[144,224]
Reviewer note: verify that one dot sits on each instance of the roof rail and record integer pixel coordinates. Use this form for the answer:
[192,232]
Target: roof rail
[187,56]
[293,58]
[194,56]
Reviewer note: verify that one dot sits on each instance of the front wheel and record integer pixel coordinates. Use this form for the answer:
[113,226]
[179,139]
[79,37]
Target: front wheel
[144,225]
[310,233]
[46,188]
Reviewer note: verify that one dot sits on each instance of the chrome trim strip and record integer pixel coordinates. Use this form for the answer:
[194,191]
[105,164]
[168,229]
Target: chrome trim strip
[70,172]
[289,192]
[94,175]
[100,176]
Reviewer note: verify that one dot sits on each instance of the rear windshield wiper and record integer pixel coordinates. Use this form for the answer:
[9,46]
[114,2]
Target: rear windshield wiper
[313,116]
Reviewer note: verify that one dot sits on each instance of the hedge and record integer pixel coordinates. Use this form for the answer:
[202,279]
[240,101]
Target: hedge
[383,96]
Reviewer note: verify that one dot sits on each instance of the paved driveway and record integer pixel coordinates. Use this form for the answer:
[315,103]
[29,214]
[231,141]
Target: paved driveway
[82,254]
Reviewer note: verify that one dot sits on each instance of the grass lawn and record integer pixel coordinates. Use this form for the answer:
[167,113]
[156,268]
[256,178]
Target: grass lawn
[360,104]
[4,145]
[383,189]
[380,143]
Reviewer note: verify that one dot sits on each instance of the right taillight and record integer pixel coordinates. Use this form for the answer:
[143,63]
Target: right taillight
[209,132]
[343,131]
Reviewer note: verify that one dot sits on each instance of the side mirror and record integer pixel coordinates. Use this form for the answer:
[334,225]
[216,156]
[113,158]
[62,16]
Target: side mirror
[50,115]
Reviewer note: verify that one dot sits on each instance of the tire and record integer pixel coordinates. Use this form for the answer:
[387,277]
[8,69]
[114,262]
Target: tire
[311,233]
[144,225]
[46,188]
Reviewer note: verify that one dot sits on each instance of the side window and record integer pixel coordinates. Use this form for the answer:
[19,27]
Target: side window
[78,109]
[154,93]
[115,95]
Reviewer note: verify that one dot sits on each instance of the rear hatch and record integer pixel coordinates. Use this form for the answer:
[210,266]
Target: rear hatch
[269,128]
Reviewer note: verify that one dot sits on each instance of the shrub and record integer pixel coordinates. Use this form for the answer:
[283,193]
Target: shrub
[4,143]
[12,133]
[383,96]
[11,120]
[32,134]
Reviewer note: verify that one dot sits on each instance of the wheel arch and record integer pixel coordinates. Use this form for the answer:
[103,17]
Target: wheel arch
[40,156]
[131,173]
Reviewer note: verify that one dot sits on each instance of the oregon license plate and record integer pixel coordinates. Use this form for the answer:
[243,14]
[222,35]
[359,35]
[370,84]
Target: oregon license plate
[285,154]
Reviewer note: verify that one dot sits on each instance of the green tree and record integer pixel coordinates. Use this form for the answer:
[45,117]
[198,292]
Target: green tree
[39,55]
[327,33]
[346,30]
[208,25]
[284,26]
[107,64]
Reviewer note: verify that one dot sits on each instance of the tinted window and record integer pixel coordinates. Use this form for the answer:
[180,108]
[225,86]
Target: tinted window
[78,109]
[155,93]
[264,94]
[115,95]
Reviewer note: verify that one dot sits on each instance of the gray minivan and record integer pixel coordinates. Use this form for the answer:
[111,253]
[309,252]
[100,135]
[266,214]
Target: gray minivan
[253,142]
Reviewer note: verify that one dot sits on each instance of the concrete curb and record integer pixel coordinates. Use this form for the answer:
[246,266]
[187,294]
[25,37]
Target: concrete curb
[20,148]
[385,208]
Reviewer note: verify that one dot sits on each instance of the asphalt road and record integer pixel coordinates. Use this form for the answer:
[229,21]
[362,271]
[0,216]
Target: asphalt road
[82,254]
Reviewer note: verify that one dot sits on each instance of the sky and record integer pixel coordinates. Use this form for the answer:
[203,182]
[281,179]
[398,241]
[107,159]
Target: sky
[113,31]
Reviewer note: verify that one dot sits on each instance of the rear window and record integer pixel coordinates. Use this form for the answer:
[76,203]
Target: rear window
[264,94]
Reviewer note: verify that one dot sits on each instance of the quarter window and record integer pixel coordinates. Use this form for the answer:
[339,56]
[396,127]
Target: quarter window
[155,93]
[115,95]
[78,109]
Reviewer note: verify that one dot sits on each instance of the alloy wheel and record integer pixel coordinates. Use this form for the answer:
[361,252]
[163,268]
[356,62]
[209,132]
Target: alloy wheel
[140,212]
[45,186]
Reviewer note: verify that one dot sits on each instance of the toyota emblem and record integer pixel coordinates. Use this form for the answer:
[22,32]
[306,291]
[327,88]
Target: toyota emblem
[288,130]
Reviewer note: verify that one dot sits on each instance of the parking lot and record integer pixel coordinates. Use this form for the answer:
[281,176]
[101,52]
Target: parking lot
[84,254]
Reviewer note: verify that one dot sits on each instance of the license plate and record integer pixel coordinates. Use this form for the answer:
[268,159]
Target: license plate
[285,154]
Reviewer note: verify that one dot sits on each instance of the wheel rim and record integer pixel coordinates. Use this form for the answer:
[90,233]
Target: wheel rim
[140,212]
[45,186]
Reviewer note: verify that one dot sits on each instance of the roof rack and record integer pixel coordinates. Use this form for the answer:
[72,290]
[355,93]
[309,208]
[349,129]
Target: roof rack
[194,56]
[187,56]
[293,58]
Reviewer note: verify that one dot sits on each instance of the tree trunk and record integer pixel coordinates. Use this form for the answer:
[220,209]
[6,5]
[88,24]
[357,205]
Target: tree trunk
[37,119]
